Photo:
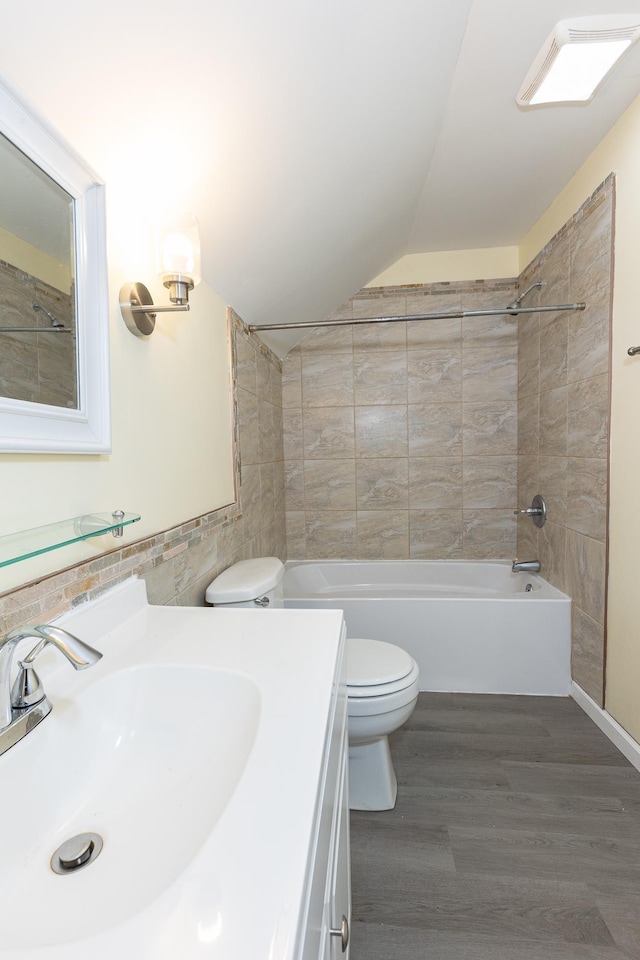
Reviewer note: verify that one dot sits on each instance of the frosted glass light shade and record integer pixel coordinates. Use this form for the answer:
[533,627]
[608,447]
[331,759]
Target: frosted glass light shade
[577,71]
[178,248]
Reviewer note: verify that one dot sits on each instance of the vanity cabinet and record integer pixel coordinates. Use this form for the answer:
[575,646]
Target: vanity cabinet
[326,924]
[231,734]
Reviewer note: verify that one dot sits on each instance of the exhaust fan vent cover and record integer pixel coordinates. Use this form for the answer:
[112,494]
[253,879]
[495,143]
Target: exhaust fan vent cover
[531,83]
[576,57]
[604,35]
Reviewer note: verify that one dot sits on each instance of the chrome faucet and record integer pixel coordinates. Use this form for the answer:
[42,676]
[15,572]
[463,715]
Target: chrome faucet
[25,705]
[525,566]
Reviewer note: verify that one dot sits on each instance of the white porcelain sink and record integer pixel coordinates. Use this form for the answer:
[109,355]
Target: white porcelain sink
[190,750]
[147,758]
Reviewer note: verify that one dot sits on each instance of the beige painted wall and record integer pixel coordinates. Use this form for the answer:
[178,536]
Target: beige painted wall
[178,565]
[618,152]
[171,458]
[28,258]
[487,263]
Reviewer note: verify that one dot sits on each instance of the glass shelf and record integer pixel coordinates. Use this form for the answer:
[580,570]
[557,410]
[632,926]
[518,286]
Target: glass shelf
[29,543]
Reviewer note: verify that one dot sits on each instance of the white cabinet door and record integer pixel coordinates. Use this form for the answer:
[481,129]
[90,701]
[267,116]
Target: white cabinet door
[339,880]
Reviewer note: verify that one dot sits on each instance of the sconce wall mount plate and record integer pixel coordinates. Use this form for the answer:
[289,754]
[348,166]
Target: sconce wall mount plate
[139,311]
[140,323]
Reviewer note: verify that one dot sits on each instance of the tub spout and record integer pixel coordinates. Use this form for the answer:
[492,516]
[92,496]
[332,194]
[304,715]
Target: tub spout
[525,566]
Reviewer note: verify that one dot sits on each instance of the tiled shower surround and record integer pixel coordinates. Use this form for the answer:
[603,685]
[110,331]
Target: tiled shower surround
[563,423]
[36,367]
[401,438]
[414,439]
[420,439]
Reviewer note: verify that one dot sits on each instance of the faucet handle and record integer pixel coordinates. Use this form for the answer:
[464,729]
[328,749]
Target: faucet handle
[27,689]
[30,657]
[537,511]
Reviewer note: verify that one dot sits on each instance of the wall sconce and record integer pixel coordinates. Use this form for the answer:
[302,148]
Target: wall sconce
[177,243]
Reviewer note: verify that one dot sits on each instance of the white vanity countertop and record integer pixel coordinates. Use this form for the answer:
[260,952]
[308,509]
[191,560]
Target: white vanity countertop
[240,893]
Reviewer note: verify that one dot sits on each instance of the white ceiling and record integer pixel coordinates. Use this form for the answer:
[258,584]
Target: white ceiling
[318,142]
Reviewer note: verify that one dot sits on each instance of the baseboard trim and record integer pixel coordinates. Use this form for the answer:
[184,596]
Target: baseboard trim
[610,727]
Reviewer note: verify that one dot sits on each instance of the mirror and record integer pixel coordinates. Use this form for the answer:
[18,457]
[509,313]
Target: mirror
[54,394]
[36,284]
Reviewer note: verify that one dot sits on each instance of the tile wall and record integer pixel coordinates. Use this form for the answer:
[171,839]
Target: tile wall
[179,563]
[36,367]
[563,429]
[401,438]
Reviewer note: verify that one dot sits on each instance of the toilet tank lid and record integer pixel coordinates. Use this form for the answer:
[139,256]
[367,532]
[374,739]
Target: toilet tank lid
[245,580]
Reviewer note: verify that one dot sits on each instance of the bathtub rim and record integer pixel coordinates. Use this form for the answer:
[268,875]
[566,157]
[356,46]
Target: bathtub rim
[543,589]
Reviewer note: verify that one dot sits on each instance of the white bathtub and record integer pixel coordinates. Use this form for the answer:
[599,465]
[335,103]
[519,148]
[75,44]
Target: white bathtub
[470,625]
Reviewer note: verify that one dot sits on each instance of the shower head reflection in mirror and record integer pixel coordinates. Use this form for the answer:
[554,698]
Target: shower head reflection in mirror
[55,322]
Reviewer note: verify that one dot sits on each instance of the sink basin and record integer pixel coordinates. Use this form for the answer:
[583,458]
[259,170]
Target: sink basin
[147,758]
[196,750]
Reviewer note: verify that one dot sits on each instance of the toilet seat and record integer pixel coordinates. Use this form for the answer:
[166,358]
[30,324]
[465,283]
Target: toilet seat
[377,669]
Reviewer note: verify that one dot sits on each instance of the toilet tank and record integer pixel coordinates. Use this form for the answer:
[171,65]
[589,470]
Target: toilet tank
[249,583]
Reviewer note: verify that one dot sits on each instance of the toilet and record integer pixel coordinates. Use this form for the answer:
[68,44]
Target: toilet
[382,683]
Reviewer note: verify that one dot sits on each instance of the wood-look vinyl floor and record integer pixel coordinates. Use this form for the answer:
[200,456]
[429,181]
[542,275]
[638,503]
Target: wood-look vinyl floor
[516,836]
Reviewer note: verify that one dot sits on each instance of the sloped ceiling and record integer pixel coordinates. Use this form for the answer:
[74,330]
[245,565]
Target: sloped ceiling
[317,142]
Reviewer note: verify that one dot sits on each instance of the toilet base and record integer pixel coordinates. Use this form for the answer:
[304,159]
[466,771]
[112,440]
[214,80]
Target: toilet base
[372,779]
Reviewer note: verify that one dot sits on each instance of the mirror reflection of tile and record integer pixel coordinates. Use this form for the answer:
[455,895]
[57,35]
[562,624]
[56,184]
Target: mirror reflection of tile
[40,368]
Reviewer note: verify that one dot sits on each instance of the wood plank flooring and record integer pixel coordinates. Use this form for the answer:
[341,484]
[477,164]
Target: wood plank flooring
[516,836]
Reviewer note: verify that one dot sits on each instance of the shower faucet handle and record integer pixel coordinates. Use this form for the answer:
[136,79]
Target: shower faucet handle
[537,511]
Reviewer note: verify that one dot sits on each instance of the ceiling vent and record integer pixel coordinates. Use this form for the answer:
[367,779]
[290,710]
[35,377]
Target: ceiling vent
[576,57]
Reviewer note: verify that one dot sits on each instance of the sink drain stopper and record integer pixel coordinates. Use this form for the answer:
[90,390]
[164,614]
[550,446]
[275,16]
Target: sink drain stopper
[76,853]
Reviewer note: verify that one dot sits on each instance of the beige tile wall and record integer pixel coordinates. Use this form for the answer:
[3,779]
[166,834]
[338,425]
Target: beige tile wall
[36,367]
[418,439]
[563,428]
[179,563]
[400,438]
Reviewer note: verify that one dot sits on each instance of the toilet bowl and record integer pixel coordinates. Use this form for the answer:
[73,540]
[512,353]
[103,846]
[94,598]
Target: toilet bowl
[382,683]
[382,688]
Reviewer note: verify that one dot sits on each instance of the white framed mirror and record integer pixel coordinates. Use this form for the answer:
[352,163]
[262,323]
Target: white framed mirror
[54,337]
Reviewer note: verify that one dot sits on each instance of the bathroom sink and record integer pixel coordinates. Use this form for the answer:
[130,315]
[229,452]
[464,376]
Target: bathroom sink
[190,751]
[124,760]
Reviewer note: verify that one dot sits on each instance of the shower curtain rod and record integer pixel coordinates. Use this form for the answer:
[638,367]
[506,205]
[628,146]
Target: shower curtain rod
[450,315]
[35,330]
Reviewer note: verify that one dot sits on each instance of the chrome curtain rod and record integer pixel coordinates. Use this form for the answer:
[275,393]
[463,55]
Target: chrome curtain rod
[451,315]
[35,330]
